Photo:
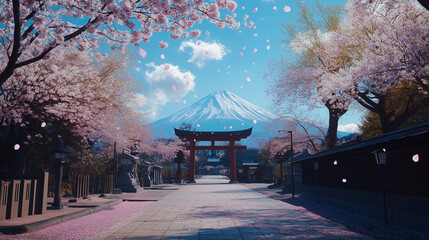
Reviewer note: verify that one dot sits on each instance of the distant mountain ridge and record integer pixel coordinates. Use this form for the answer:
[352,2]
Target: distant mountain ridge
[223,111]
[223,105]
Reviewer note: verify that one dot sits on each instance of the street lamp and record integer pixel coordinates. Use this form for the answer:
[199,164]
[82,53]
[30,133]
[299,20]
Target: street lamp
[316,168]
[291,162]
[59,152]
[381,157]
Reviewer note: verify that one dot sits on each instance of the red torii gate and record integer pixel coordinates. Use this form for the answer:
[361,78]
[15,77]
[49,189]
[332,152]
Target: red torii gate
[193,136]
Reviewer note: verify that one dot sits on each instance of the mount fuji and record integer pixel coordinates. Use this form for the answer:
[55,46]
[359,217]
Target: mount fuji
[219,111]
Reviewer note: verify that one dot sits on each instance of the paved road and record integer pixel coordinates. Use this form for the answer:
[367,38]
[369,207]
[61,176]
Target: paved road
[214,209]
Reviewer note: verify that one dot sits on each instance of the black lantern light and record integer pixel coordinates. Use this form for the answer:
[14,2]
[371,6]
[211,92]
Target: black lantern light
[59,152]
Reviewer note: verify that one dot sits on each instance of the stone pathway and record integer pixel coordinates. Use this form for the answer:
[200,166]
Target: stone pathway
[214,209]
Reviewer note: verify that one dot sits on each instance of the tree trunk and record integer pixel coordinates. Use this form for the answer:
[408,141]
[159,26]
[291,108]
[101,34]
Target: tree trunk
[331,136]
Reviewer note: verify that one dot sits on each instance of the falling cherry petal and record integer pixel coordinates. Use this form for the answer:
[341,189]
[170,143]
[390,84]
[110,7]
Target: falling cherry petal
[254,27]
[175,88]
[268,47]
[218,70]
[197,63]
[187,83]
[245,70]
[242,7]
[184,101]
[142,52]
[207,33]
[176,101]
[195,96]
[228,73]
[162,56]
[241,54]
[224,127]
[275,8]
[230,127]
[244,48]
[344,180]
[287,9]
[268,40]
[254,121]
[43,124]
[255,50]
[240,31]
[242,124]
[416,158]
[198,125]
[335,162]
[229,66]
[241,86]
[255,10]
[16,147]
[303,1]
[255,35]
[248,79]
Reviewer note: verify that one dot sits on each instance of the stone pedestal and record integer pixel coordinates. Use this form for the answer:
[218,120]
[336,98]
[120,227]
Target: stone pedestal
[127,180]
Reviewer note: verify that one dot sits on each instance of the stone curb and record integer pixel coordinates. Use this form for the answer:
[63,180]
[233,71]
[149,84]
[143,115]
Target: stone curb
[30,227]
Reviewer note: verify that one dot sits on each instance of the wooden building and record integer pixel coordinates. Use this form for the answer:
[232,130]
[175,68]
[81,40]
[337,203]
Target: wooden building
[349,178]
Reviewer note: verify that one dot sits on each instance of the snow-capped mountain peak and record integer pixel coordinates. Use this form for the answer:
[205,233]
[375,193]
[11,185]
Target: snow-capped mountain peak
[221,105]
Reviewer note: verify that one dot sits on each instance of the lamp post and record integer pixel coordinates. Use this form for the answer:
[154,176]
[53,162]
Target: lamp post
[59,151]
[316,168]
[291,162]
[381,157]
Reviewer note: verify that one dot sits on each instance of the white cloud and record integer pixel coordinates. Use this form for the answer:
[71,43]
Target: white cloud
[204,51]
[167,83]
[352,127]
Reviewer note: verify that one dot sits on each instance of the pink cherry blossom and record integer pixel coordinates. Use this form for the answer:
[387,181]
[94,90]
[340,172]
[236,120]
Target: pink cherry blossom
[255,10]
[175,88]
[176,101]
[162,56]
[16,147]
[166,67]
[268,47]
[254,121]
[287,9]
[142,52]
[241,54]
[344,180]
[255,34]
[198,125]
[275,8]
[195,33]
[415,158]
[255,50]
[163,45]
[248,79]
[43,124]
[197,63]
[230,127]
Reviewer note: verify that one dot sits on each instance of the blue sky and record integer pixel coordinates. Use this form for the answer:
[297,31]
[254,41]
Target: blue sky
[221,66]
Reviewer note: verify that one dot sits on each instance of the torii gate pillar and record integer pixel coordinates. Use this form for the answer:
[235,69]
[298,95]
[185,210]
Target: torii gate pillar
[232,163]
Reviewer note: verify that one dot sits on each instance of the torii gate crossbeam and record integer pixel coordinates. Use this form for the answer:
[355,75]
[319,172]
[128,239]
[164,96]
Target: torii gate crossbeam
[192,137]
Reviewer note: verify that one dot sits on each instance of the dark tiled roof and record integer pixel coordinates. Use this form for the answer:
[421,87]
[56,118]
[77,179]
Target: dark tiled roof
[407,133]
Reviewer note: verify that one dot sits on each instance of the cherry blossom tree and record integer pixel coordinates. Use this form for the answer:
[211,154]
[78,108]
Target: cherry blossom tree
[80,96]
[387,44]
[31,30]
[298,82]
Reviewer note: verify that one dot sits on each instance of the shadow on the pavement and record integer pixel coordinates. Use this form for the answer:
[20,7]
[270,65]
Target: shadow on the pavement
[370,227]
